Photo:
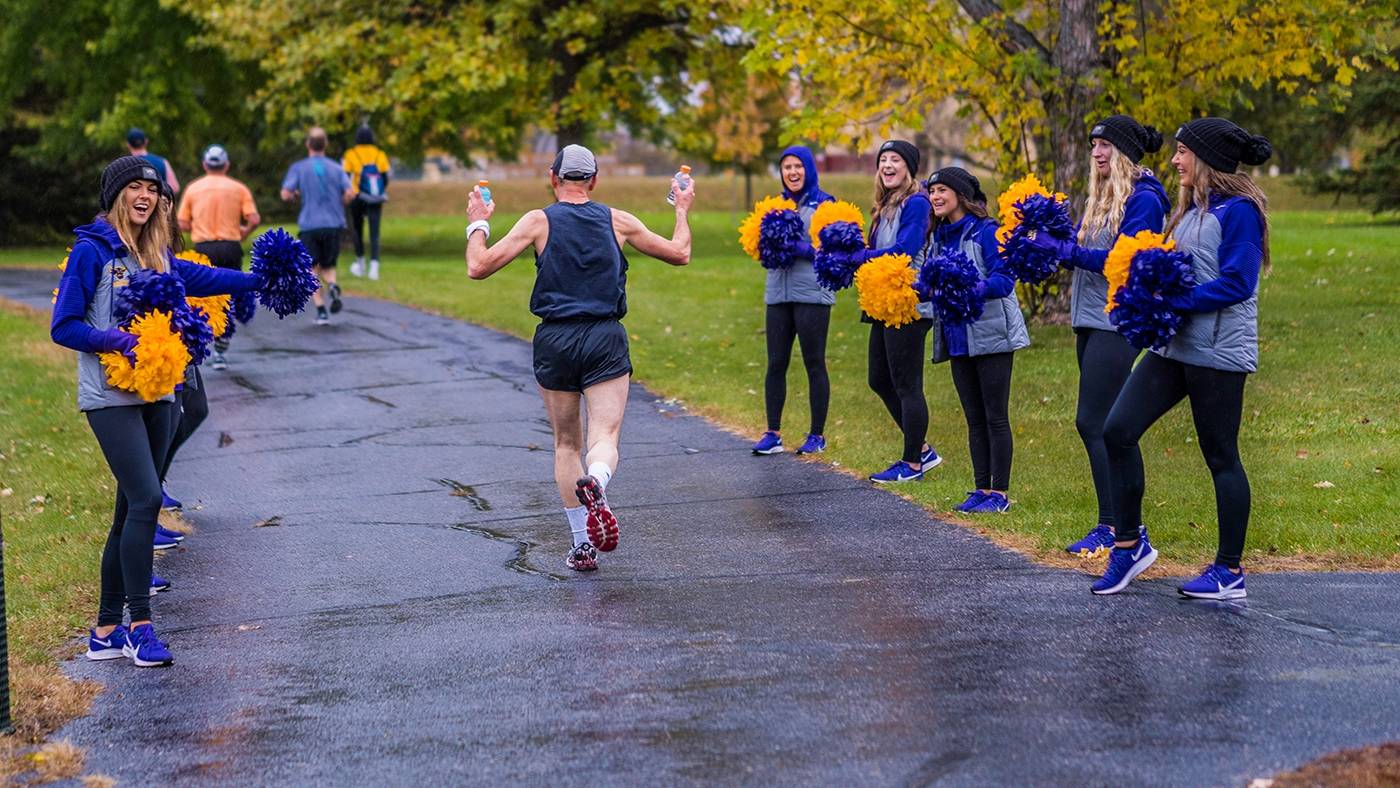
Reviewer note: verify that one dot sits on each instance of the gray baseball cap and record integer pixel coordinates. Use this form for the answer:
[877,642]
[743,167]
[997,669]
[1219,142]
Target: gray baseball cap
[215,156]
[575,163]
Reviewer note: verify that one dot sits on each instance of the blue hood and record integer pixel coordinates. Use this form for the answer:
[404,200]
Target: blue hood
[101,233]
[1147,182]
[811,193]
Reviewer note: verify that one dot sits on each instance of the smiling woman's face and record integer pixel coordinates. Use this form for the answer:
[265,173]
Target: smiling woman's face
[893,170]
[141,199]
[794,173]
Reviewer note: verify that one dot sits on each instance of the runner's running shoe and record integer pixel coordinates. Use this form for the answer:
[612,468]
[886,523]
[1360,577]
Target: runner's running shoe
[930,458]
[333,290]
[176,535]
[145,649]
[166,502]
[357,268]
[323,318]
[1217,582]
[582,558]
[974,497]
[110,647]
[991,503]
[219,361]
[1098,538]
[158,584]
[164,542]
[1124,564]
[770,443]
[815,444]
[899,472]
[602,525]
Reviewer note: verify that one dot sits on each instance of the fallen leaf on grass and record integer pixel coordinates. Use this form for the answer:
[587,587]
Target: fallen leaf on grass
[1302,454]
[1324,485]
[6,493]
[273,520]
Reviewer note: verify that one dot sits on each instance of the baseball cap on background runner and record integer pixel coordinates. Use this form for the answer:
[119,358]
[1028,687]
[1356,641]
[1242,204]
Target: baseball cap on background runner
[574,163]
[135,137]
[215,156]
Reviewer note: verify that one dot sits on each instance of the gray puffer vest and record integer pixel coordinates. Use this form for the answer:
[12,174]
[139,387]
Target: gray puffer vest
[885,236]
[94,393]
[798,282]
[1226,339]
[1088,293]
[1002,328]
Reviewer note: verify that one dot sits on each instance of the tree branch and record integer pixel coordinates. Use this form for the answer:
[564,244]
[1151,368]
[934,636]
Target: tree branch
[1014,37]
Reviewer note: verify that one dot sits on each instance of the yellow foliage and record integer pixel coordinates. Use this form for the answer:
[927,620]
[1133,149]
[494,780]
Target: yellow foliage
[835,211]
[1006,204]
[161,358]
[217,306]
[886,289]
[749,228]
[1120,260]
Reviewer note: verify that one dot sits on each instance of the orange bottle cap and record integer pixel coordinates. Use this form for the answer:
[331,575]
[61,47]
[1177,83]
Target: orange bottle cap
[685,168]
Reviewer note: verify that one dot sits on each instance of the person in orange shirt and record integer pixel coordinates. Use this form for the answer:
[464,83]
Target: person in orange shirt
[218,212]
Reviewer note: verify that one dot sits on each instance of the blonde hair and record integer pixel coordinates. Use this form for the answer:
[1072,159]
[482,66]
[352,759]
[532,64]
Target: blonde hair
[1206,180]
[1108,195]
[887,201]
[149,243]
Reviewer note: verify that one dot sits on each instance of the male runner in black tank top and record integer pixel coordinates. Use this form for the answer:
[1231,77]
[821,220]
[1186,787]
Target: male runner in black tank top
[580,346]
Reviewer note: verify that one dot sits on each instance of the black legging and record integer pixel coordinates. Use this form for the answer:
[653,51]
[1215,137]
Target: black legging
[359,211]
[1105,361]
[984,387]
[191,409]
[134,439]
[896,374]
[1217,400]
[808,324]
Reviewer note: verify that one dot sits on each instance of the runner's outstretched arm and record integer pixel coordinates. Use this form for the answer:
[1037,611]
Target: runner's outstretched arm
[482,261]
[676,251]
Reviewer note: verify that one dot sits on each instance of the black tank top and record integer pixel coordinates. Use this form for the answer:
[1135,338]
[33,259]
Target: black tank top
[582,273]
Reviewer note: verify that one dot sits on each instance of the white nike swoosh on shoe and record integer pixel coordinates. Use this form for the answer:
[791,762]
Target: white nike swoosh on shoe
[1221,587]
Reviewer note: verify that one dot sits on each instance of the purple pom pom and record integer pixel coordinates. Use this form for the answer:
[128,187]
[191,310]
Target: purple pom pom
[193,326]
[1040,214]
[1143,314]
[949,281]
[284,266]
[245,308]
[833,264]
[778,231]
[147,291]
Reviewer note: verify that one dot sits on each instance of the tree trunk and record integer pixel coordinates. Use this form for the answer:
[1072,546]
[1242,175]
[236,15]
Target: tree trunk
[748,188]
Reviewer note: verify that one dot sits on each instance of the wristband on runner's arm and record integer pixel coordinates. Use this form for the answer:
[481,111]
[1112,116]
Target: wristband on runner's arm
[479,224]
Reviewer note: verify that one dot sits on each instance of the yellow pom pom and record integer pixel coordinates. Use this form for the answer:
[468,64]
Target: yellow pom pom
[161,359]
[198,258]
[886,289]
[216,307]
[1016,192]
[1120,260]
[834,211]
[748,229]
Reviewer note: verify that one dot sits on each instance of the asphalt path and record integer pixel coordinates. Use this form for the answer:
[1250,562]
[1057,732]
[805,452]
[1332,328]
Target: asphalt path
[407,617]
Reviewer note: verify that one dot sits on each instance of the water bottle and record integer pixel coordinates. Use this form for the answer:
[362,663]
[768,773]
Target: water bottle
[682,180]
[485,187]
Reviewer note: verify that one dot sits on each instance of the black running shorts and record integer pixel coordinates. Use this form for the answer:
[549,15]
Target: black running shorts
[324,245]
[571,355]
[223,254]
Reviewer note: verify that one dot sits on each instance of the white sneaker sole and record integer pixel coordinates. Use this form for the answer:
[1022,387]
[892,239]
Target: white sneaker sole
[105,654]
[900,480]
[171,546]
[766,452]
[1137,569]
[1230,593]
[142,663]
[934,463]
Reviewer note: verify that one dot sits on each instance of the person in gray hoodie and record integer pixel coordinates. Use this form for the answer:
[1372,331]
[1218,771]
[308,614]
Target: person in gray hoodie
[797,308]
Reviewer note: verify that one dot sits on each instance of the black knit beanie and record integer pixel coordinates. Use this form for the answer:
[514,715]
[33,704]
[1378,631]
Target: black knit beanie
[1131,138]
[363,136]
[906,151]
[123,171]
[962,182]
[1223,145]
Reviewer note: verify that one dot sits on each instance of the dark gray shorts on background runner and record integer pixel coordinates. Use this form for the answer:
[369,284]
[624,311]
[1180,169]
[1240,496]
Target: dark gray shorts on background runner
[571,355]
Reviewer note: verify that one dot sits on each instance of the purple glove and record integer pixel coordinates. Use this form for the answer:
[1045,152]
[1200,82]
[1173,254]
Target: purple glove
[1045,242]
[802,250]
[980,290]
[117,340]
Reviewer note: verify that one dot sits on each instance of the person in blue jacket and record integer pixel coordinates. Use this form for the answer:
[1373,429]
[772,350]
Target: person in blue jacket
[133,231]
[797,307]
[1125,198]
[899,225]
[980,353]
[1221,220]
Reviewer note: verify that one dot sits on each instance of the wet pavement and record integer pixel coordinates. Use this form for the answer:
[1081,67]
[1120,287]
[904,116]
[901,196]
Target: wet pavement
[408,617]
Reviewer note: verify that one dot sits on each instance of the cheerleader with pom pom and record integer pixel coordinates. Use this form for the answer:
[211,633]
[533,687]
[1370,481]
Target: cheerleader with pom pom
[797,307]
[134,232]
[1125,198]
[980,350]
[1221,220]
[899,226]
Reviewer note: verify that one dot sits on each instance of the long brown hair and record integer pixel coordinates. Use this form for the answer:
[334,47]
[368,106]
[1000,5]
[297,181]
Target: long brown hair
[1206,180]
[1108,195]
[887,201]
[150,242]
[972,207]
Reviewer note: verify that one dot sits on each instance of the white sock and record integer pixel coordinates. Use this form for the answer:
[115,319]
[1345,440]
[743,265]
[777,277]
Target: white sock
[578,523]
[601,472]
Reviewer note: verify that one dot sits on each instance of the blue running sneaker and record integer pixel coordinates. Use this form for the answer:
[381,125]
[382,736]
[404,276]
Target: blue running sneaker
[1217,582]
[166,502]
[815,444]
[974,497]
[930,458]
[1124,564]
[991,503]
[110,647]
[1100,537]
[164,542]
[770,443]
[169,534]
[899,472]
[158,584]
[145,649]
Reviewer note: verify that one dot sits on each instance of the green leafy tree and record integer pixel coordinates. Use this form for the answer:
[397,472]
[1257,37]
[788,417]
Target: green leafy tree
[1374,114]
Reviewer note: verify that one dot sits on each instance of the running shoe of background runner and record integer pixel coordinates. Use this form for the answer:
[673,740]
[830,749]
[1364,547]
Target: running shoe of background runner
[815,444]
[602,525]
[899,472]
[110,647]
[357,268]
[974,497]
[145,649]
[1099,537]
[1123,566]
[219,361]
[176,535]
[323,317]
[930,458]
[770,443]
[158,584]
[164,542]
[991,503]
[1217,582]
[166,502]
[582,558]
[334,291]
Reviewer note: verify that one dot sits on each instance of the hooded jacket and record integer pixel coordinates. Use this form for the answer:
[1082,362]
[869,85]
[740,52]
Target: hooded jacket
[1146,209]
[797,283]
[84,312]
